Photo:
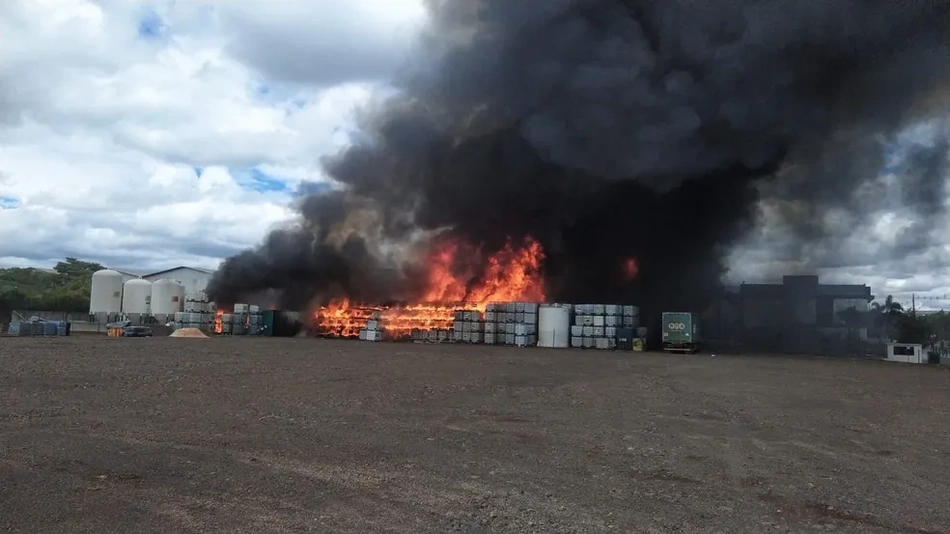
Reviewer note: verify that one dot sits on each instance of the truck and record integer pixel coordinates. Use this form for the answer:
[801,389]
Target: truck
[681,332]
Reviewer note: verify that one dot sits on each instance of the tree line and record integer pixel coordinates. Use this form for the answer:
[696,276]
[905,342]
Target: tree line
[889,320]
[65,289]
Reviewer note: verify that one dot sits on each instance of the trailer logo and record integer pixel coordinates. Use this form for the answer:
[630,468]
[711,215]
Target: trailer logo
[676,326]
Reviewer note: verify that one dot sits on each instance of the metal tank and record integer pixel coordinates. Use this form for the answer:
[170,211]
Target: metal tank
[136,297]
[106,294]
[167,297]
[554,325]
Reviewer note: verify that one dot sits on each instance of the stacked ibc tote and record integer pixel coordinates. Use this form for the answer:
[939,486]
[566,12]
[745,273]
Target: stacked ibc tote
[607,327]
[374,328]
[511,323]
[198,312]
[246,320]
[469,326]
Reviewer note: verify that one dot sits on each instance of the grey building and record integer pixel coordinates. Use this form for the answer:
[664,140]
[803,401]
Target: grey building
[802,315]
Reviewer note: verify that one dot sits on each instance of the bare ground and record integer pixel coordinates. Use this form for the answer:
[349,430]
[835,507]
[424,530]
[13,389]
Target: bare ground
[297,435]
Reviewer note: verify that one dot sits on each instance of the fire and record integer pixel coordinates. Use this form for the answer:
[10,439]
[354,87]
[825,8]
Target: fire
[452,282]
[511,274]
[631,268]
[344,319]
[218,316]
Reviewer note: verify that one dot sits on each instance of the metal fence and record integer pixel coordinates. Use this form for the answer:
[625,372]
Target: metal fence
[72,317]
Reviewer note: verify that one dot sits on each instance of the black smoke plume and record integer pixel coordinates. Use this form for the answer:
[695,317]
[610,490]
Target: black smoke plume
[608,130]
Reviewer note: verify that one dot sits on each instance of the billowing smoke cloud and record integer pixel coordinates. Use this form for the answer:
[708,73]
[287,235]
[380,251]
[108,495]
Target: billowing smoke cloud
[615,129]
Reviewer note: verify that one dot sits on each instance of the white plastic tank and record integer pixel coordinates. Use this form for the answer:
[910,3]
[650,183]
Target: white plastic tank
[136,296]
[554,325]
[167,297]
[106,294]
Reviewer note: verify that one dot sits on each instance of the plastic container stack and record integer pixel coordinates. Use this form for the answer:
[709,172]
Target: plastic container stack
[469,326]
[255,320]
[438,335]
[598,326]
[227,322]
[631,317]
[512,323]
[38,328]
[239,319]
[374,329]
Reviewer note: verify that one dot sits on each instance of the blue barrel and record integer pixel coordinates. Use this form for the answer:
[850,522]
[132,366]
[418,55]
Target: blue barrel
[21,329]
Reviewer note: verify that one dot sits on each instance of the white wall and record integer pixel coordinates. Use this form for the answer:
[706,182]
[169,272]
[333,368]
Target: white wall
[909,353]
[126,277]
[192,280]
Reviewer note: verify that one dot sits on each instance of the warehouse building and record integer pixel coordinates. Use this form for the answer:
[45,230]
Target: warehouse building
[193,278]
[803,315]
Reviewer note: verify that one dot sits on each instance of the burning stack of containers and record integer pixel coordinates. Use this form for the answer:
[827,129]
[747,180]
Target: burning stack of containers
[469,326]
[511,323]
[605,326]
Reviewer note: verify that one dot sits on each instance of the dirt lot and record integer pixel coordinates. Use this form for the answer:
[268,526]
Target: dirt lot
[297,435]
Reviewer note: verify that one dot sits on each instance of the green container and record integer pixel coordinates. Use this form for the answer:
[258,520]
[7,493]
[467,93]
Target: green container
[267,322]
[280,323]
[681,331]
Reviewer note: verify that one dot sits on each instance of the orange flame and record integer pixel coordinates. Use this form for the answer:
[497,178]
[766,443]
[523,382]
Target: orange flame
[217,321]
[511,274]
[631,268]
[341,318]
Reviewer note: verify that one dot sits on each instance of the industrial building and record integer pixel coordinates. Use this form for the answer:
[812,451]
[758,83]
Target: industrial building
[158,295]
[803,315]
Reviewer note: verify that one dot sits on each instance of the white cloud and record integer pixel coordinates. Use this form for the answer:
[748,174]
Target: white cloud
[150,133]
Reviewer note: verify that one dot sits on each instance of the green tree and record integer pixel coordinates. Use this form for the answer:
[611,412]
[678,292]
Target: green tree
[885,316]
[65,289]
[912,328]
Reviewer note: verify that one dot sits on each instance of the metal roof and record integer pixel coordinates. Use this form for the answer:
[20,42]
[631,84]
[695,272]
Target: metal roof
[198,269]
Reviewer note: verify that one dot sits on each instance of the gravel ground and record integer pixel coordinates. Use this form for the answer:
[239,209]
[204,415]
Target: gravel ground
[238,435]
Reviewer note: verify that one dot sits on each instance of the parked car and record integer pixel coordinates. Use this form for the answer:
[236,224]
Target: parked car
[137,331]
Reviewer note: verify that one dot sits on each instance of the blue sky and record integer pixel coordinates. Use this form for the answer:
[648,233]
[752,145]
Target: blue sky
[151,26]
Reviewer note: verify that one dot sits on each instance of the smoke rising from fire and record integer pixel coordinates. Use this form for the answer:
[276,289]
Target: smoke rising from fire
[610,131]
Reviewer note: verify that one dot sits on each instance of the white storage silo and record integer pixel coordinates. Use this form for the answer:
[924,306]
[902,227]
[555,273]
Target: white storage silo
[106,293]
[136,297]
[167,297]
[554,325]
